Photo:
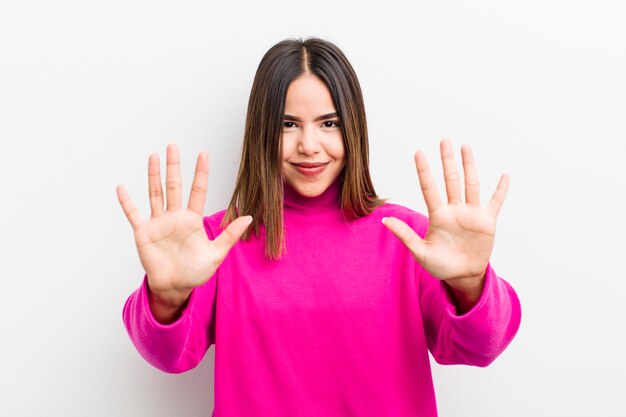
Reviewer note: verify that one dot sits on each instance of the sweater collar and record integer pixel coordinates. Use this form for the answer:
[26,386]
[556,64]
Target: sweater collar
[330,199]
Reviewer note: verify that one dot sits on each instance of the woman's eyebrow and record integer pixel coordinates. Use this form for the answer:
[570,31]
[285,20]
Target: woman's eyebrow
[317,119]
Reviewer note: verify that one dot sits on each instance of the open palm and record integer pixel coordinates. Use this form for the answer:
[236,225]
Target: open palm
[460,236]
[173,246]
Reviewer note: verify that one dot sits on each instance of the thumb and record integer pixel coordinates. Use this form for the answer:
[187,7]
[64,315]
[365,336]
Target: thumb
[407,236]
[227,239]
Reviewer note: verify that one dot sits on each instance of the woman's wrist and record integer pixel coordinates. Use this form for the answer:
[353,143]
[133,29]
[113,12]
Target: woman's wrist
[466,291]
[167,306]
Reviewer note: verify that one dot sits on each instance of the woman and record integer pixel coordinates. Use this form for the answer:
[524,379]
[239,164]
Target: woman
[321,299]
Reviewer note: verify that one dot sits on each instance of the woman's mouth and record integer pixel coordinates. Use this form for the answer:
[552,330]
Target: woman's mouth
[310,169]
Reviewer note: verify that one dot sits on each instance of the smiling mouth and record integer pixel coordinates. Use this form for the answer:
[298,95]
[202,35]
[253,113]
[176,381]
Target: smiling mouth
[310,169]
[309,164]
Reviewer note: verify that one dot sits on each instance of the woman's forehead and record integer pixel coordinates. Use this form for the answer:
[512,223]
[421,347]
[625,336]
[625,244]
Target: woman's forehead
[308,98]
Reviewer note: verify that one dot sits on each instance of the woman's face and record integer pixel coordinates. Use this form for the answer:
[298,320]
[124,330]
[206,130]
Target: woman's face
[313,150]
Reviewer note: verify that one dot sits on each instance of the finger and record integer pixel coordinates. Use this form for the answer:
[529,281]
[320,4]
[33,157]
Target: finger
[472,186]
[154,185]
[131,212]
[407,236]
[450,172]
[427,183]
[197,196]
[172,178]
[227,239]
[495,204]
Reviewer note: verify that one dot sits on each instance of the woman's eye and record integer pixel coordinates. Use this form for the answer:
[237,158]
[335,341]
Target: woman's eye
[288,124]
[331,123]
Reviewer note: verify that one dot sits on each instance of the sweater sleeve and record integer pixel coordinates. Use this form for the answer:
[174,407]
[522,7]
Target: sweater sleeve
[480,335]
[476,337]
[179,346]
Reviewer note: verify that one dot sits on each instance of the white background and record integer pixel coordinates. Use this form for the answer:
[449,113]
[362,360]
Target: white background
[89,89]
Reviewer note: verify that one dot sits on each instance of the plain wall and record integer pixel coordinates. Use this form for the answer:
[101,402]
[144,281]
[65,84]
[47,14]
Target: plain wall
[89,89]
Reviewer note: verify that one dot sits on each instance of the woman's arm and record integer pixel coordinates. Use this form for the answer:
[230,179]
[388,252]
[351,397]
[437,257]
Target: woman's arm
[177,346]
[473,337]
[169,316]
[470,314]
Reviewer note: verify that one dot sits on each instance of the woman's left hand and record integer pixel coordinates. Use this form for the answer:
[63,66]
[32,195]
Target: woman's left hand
[460,235]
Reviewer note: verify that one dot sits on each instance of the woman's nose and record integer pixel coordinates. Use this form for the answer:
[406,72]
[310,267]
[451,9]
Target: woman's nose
[308,142]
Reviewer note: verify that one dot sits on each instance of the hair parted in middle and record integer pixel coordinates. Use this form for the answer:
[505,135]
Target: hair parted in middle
[260,183]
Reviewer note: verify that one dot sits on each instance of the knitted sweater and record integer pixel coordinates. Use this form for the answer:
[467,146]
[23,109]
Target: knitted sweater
[341,325]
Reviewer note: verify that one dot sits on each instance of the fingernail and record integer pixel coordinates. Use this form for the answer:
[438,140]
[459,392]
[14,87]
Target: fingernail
[383,220]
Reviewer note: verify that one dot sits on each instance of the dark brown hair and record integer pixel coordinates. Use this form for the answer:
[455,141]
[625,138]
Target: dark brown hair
[259,187]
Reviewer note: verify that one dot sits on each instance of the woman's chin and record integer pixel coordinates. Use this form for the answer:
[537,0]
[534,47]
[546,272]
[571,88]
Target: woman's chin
[310,190]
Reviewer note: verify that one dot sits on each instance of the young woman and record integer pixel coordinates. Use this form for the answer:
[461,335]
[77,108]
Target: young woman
[321,299]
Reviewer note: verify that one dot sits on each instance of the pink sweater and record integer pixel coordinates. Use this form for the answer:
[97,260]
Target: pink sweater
[340,326]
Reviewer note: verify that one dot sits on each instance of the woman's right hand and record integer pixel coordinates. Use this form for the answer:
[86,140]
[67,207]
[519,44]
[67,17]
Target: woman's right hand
[173,246]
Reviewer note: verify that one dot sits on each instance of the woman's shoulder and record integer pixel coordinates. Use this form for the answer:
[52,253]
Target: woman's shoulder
[415,219]
[399,211]
[213,222]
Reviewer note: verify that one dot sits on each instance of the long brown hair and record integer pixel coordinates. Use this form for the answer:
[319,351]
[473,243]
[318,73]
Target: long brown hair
[259,187]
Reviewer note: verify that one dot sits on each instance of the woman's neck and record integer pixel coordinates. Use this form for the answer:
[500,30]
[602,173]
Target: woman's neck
[330,199]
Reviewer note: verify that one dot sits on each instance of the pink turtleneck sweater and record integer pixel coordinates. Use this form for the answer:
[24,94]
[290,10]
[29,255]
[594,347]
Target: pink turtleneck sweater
[340,326]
